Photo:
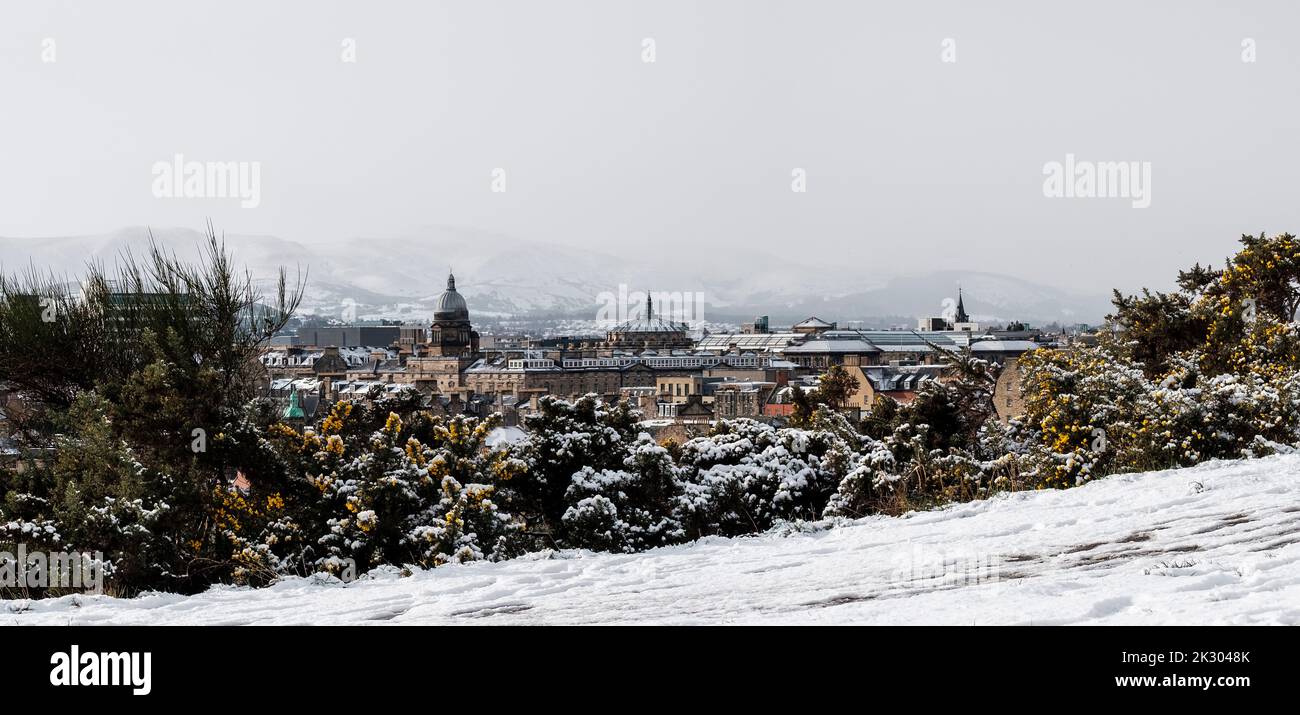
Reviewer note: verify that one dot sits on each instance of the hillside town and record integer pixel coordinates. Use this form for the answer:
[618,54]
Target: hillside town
[681,380]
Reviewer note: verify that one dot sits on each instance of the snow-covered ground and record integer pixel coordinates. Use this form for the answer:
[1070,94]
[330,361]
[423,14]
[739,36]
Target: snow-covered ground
[1218,543]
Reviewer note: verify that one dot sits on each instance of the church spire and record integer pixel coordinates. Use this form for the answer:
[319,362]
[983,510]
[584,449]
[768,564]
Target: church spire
[961,316]
[649,306]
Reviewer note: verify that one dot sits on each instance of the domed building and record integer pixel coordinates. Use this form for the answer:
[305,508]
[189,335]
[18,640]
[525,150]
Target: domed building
[451,334]
[652,332]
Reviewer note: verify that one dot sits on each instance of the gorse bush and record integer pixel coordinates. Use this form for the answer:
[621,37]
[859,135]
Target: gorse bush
[747,475]
[414,491]
[1209,372]
[133,445]
[630,509]
[137,400]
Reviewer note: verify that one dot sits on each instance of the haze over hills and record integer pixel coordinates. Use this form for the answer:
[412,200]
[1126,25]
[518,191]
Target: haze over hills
[401,277]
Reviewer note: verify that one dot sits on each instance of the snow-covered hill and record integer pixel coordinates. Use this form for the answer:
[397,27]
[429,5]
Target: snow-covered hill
[401,277]
[1217,543]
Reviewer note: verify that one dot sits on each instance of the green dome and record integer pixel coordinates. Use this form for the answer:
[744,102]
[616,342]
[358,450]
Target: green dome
[294,410]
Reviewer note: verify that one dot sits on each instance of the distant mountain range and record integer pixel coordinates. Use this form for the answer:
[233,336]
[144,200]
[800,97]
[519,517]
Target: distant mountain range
[401,277]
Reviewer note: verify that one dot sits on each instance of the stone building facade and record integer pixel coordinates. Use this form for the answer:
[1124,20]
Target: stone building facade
[1008,394]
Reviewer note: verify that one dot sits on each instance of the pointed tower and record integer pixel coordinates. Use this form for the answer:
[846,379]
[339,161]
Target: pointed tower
[961,316]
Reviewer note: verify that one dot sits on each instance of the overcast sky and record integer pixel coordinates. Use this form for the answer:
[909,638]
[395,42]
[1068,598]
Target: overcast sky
[911,162]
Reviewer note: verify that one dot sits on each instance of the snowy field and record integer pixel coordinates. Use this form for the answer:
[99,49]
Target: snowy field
[1218,543]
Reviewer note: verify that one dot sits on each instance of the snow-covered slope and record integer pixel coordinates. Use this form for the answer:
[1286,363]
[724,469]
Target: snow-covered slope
[1218,543]
[401,277]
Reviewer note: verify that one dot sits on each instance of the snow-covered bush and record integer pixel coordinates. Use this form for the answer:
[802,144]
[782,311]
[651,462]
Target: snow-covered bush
[746,475]
[629,509]
[1095,412]
[565,438]
[859,492]
[96,495]
[417,493]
